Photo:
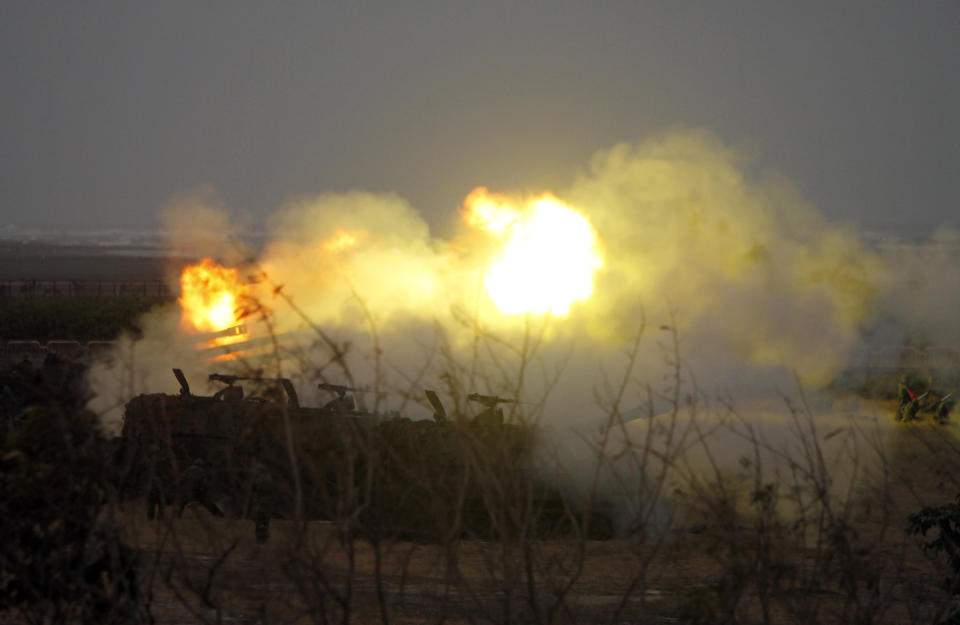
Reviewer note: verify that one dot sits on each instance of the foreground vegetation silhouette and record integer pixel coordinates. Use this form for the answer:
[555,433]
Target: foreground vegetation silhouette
[806,531]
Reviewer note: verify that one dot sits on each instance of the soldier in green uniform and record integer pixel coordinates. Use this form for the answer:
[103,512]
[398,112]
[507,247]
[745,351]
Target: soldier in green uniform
[261,501]
[911,410]
[905,397]
[154,483]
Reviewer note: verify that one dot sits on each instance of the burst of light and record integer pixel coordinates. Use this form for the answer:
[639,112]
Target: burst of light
[343,240]
[210,296]
[548,252]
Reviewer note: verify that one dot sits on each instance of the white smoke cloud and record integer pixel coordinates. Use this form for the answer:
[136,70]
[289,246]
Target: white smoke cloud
[760,293]
[756,285]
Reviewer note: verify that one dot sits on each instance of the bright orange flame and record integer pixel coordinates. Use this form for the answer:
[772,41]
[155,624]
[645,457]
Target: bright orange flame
[210,295]
[239,335]
[548,252]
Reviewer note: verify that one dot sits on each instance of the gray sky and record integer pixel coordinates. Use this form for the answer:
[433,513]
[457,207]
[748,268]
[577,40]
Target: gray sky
[109,109]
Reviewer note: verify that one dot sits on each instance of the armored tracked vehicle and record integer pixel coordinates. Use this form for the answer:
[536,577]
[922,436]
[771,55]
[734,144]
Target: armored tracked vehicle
[428,479]
[229,432]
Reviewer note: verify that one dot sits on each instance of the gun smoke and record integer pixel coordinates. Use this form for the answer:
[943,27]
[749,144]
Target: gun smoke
[761,294]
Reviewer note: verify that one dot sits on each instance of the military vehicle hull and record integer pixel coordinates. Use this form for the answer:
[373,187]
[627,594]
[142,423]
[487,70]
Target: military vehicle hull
[162,434]
[420,479]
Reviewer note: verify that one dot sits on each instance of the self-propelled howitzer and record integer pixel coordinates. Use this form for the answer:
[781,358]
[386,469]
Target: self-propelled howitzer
[430,478]
[230,431]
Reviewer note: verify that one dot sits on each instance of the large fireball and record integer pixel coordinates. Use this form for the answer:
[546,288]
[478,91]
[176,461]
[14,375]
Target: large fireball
[210,296]
[548,254]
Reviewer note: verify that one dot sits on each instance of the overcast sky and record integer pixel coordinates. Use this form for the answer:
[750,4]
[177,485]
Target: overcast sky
[110,109]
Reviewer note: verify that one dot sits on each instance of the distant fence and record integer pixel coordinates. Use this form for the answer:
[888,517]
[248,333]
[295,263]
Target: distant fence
[35,352]
[83,288]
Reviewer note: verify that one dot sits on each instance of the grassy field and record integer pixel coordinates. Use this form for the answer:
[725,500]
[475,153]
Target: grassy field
[79,319]
[855,563]
[752,547]
[310,574]
[803,539]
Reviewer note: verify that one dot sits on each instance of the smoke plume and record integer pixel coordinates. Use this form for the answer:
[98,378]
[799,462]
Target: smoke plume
[755,284]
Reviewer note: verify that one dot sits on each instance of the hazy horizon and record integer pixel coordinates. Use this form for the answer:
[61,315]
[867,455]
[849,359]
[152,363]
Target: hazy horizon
[114,109]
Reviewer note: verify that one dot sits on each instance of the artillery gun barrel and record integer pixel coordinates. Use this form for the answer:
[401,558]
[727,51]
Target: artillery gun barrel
[490,400]
[337,388]
[230,379]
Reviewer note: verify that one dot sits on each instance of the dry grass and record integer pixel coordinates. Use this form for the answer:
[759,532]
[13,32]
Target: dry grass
[205,569]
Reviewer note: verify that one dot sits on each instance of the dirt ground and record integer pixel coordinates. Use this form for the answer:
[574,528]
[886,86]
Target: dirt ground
[206,569]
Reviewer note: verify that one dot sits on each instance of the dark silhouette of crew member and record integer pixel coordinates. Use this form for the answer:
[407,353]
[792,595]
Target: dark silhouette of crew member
[196,487]
[261,501]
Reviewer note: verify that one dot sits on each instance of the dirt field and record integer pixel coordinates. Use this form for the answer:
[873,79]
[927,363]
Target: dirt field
[204,569]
